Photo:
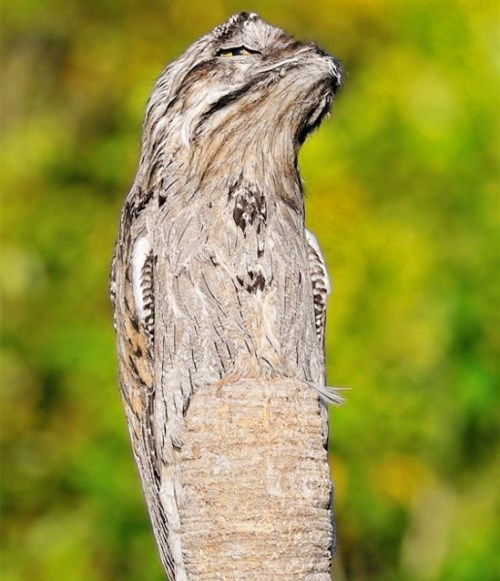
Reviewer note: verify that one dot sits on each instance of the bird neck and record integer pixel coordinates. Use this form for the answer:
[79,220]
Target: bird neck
[268,165]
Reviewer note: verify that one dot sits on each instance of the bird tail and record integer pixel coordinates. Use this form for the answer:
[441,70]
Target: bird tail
[329,395]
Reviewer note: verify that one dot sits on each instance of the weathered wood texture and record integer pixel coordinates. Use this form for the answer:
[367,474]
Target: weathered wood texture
[256,483]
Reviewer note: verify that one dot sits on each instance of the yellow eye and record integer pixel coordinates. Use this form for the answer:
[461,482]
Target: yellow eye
[235,51]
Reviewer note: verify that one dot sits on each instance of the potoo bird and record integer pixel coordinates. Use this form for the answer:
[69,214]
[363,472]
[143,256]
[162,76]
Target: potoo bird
[214,277]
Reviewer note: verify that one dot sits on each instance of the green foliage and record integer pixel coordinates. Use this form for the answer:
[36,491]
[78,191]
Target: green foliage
[402,193]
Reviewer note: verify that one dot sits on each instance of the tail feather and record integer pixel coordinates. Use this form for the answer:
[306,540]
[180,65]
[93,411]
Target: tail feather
[329,395]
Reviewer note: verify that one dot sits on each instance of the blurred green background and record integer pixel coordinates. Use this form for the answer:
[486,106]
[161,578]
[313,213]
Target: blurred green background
[402,192]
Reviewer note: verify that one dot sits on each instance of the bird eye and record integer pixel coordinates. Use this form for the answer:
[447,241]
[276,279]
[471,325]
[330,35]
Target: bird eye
[235,51]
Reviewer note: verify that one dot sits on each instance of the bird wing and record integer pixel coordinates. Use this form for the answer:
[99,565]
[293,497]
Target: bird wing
[320,283]
[132,291]
[321,289]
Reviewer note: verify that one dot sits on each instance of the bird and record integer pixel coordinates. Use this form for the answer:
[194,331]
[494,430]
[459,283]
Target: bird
[214,276]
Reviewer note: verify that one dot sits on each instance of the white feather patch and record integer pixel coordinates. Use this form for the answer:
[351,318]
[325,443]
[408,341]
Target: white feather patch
[141,251]
[311,238]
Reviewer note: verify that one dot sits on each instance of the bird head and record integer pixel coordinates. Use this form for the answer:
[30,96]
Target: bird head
[246,92]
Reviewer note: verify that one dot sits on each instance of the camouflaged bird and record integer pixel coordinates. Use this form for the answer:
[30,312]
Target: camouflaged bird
[214,275]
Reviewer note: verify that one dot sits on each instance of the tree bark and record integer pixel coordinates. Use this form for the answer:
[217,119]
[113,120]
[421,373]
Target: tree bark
[256,488]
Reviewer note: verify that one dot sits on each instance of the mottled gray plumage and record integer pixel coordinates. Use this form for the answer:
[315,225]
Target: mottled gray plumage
[214,277]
